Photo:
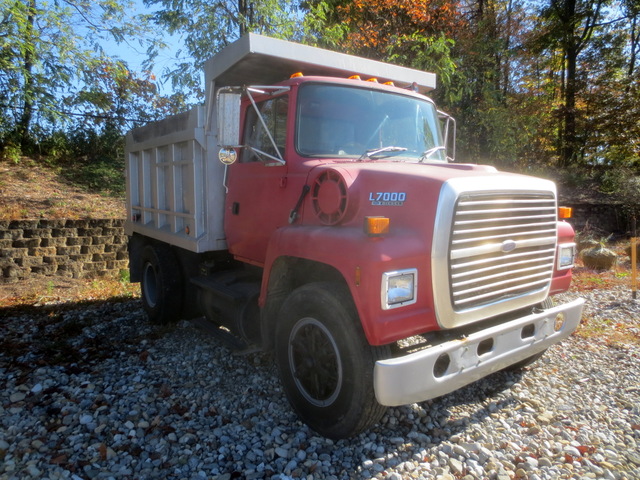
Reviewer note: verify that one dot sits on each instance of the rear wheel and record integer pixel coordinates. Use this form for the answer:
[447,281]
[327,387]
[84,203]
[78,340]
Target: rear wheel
[161,284]
[325,362]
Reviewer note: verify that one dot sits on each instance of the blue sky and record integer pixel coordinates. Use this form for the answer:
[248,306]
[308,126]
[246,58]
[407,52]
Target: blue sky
[135,54]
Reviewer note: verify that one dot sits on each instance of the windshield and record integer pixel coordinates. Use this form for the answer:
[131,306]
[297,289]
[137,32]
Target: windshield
[347,122]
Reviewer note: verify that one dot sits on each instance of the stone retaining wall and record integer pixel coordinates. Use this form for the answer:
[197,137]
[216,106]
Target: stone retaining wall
[69,248]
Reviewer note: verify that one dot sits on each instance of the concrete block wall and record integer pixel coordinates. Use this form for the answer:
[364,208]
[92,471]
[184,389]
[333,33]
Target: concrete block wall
[69,248]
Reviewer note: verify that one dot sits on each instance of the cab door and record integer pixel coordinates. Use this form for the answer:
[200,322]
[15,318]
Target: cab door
[258,199]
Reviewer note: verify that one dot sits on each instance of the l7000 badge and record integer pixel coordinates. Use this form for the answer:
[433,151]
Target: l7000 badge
[393,199]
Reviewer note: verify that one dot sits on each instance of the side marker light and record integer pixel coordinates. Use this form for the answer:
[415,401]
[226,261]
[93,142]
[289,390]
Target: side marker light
[565,212]
[376,226]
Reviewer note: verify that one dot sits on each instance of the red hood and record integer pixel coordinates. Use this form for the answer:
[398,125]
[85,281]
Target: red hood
[343,193]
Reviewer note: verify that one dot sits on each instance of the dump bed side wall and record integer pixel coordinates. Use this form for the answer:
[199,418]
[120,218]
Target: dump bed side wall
[175,190]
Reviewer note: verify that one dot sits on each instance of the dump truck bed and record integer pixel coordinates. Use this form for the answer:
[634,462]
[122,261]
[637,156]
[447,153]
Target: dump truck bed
[174,185]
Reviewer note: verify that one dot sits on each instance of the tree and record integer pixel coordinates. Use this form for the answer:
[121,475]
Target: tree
[207,26]
[632,13]
[568,27]
[611,103]
[413,33]
[495,116]
[116,99]
[48,54]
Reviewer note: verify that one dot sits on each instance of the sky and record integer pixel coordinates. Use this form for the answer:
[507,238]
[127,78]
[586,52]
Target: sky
[135,54]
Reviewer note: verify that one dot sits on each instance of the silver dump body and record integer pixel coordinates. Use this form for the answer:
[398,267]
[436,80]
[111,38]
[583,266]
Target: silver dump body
[175,183]
[174,186]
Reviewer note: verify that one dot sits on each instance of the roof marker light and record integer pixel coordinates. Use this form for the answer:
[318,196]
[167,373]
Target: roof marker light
[354,77]
[296,75]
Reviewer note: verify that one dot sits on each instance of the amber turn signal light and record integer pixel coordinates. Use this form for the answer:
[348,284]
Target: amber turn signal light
[565,212]
[374,226]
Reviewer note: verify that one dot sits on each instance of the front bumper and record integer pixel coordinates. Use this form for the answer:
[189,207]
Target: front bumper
[416,377]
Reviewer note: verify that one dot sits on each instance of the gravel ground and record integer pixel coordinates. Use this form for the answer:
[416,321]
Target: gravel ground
[94,392]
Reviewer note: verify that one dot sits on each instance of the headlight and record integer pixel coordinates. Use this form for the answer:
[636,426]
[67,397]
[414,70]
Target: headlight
[399,288]
[566,255]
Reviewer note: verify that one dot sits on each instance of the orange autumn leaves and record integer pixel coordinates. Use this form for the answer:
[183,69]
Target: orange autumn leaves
[376,25]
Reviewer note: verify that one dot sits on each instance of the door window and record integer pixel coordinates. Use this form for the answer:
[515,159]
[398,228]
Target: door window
[274,114]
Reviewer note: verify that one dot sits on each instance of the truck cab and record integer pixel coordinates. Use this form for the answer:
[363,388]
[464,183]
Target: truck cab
[322,217]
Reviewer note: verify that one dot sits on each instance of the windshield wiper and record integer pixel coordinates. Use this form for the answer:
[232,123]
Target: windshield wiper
[376,151]
[427,153]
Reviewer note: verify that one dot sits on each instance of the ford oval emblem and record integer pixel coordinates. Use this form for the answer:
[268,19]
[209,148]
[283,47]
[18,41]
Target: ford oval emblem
[508,246]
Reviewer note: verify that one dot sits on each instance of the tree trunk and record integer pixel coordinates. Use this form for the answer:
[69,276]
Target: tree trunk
[568,153]
[635,40]
[24,124]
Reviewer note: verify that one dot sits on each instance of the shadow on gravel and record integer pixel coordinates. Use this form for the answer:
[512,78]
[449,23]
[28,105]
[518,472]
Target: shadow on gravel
[79,337]
[36,336]
[443,423]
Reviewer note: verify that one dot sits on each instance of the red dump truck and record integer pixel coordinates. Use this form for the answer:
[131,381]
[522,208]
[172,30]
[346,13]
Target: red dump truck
[312,208]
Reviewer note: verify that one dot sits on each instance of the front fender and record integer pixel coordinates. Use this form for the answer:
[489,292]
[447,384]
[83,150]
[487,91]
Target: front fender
[361,260]
[561,280]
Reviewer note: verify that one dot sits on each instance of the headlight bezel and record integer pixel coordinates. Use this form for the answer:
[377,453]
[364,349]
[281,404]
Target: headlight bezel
[399,288]
[566,256]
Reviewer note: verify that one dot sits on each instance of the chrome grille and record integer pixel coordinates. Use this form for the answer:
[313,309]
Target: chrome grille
[502,246]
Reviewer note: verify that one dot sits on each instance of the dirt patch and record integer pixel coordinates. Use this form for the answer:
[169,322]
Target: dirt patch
[30,189]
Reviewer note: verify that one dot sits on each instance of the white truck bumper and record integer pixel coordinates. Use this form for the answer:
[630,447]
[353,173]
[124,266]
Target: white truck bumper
[416,377]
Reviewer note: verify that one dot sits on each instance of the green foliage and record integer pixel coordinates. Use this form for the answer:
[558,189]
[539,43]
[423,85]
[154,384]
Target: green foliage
[624,185]
[321,29]
[53,68]
[92,160]
[428,53]
[124,276]
[207,26]
[612,181]
[10,153]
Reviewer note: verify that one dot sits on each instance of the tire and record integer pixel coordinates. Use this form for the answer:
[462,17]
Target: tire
[519,366]
[325,362]
[161,284]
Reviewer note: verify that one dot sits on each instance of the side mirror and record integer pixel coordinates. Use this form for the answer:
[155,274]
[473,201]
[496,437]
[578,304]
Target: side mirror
[448,124]
[228,110]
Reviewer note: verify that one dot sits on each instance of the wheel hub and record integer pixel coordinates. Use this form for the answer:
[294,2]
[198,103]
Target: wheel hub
[315,362]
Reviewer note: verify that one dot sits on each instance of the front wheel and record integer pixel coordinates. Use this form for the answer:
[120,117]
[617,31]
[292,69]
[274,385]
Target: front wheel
[325,362]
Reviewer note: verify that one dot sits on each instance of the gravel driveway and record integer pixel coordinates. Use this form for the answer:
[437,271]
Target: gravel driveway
[94,392]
